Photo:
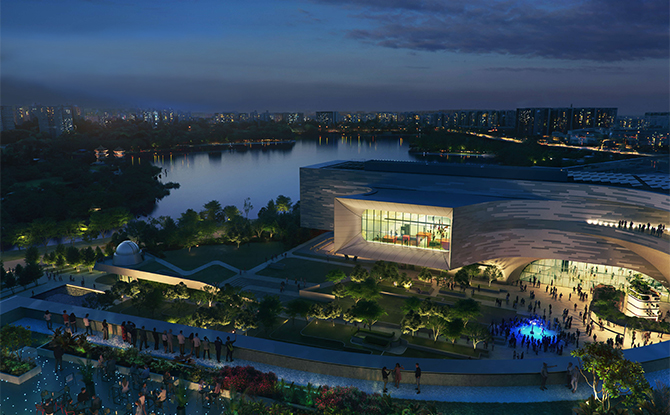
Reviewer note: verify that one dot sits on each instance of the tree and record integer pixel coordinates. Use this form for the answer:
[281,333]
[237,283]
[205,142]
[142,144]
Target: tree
[32,255]
[238,230]
[88,258]
[246,320]
[368,311]
[336,275]
[247,207]
[411,304]
[175,292]
[359,274]
[102,222]
[454,329]
[368,290]
[268,311]
[230,212]
[42,231]
[72,229]
[210,294]
[425,275]
[437,316]
[283,203]
[465,274]
[189,232]
[13,339]
[612,375]
[212,211]
[149,297]
[298,307]
[492,273]
[72,256]
[466,309]
[477,334]
[325,311]
[31,273]
[339,290]
[412,322]
[8,279]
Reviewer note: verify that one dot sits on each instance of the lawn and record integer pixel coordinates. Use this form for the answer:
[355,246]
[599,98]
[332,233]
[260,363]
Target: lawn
[291,333]
[392,306]
[213,274]
[312,271]
[442,345]
[246,257]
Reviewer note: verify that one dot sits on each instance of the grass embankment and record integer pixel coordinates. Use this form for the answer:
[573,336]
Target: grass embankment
[312,271]
[245,257]
[213,274]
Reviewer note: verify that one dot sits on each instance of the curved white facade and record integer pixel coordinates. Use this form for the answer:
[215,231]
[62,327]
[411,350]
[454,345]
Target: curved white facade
[507,216]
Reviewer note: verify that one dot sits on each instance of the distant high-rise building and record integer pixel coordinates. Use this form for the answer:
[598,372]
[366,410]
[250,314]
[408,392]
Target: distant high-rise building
[7,121]
[327,118]
[294,117]
[544,121]
[657,120]
[53,121]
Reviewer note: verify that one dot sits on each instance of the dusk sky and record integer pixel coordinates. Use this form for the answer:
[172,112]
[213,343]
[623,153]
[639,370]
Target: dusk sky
[358,55]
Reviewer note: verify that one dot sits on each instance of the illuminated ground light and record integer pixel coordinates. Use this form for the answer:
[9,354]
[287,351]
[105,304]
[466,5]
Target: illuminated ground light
[536,329]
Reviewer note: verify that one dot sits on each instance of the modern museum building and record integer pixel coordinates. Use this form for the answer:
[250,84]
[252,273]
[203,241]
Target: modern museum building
[551,223]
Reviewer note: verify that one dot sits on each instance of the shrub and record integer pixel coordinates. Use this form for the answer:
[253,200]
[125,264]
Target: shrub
[248,380]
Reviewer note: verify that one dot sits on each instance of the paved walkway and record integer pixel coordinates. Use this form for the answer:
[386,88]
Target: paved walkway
[406,390]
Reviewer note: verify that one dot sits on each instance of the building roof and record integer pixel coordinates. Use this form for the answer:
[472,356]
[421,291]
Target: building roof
[440,199]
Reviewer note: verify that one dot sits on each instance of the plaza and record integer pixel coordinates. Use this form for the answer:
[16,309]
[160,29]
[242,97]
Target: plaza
[538,234]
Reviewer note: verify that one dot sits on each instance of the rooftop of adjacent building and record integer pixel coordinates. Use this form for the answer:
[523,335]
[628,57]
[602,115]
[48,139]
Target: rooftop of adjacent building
[643,173]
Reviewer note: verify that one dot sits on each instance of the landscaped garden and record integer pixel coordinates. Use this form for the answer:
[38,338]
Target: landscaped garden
[312,271]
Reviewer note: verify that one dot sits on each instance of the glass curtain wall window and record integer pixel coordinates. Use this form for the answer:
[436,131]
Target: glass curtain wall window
[407,229]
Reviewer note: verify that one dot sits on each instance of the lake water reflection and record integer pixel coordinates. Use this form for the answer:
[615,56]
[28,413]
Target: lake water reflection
[260,174]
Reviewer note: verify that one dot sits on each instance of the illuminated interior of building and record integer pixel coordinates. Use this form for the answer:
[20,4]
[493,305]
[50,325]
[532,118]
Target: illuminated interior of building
[570,273]
[407,229]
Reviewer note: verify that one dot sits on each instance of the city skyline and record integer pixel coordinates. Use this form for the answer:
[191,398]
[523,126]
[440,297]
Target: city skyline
[326,55]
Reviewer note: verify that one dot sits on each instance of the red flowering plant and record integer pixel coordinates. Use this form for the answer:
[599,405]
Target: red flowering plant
[248,380]
[349,400]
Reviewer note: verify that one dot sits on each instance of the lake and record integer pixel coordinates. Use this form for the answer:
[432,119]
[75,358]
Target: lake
[262,174]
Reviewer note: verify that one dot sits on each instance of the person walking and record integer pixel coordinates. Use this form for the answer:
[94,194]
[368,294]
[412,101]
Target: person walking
[165,341]
[218,343]
[170,341]
[105,330]
[568,375]
[181,339]
[544,372]
[157,338]
[205,348]
[66,320]
[47,318]
[397,375]
[417,375]
[385,378]
[73,322]
[142,333]
[87,326]
[196,345]
[58,356]
[230,348]
[575,379]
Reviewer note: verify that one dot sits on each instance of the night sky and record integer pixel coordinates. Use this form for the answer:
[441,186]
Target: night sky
[369,55]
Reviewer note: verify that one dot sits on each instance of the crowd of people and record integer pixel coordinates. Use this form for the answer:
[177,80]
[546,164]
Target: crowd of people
[641,227]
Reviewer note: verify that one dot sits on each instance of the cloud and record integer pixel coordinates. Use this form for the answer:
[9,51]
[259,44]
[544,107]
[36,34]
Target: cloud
[540,69]
[597,30]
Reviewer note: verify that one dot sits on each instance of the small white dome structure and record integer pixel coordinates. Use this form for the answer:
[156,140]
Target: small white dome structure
[127,253]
